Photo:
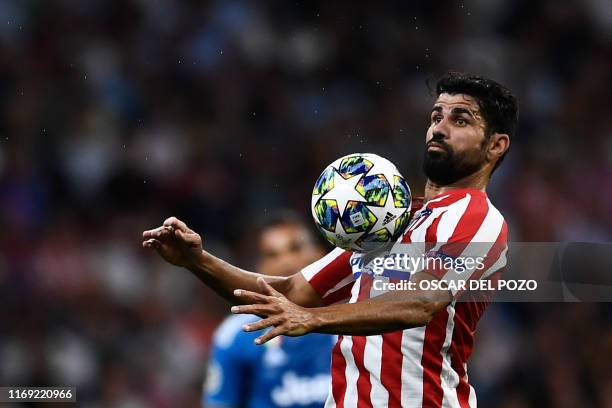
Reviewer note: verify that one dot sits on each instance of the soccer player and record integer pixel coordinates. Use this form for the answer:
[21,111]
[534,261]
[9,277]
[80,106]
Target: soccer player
[291,372]
[400,348]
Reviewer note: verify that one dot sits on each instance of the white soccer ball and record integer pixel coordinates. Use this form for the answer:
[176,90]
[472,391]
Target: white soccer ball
[360,202]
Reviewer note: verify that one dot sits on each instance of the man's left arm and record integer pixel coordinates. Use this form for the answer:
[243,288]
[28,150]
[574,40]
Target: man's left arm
[395,310]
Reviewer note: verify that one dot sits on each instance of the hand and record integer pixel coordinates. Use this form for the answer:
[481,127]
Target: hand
[287,318]
[175,242]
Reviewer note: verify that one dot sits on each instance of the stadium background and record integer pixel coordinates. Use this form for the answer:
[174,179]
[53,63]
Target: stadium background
[115,115]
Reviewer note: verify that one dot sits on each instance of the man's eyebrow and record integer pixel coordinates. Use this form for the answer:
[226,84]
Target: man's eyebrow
[459,111]
[437,109]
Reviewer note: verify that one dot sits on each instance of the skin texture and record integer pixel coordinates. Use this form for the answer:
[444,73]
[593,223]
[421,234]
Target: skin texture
[464,132]
[181,246]
[284,249]
[289,304]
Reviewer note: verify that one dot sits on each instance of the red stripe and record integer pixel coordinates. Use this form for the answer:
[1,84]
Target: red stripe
[463,392]
[463,388]
[492,256]
[471,220]
[432,231]
[456,195]
[466,317]
[338,374]
[364,387]
[468,225]
[391,367]
[365,284]
[435,332]
[344,293]
[494,252]
[431,360]
[445,202]
[407,237]
[419,222]
[453,197]
[331,274]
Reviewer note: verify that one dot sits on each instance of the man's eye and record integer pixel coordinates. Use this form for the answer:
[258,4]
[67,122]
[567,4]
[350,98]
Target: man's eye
[436,119]
[461,122]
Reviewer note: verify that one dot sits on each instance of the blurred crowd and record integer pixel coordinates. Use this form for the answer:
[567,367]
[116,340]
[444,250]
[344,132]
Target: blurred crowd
[117,114]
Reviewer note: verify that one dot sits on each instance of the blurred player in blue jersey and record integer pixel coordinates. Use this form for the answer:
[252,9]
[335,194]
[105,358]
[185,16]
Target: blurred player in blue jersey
[289,372]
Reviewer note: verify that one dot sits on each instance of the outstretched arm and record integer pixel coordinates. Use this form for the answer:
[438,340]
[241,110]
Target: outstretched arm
[182,247]
[389,312]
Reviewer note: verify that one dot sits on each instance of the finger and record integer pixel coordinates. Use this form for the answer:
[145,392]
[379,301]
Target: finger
[277,331]
[261,324]
[160,232]
[149,233]
[251,297]
[151,243]
[267,289]
[264,310]
[258,309]
[176,223]
[187,237]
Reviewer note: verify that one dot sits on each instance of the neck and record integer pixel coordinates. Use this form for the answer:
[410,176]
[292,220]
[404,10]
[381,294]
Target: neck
[477,180]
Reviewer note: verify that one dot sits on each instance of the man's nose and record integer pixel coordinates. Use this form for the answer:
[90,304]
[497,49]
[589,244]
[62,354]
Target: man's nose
[440,130]
[439,134]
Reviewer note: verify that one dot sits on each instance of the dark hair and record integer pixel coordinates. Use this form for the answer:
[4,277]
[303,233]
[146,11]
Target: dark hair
[279,217]
[498,105]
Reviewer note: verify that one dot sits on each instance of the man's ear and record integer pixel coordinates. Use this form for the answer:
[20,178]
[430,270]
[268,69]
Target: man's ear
[499,143]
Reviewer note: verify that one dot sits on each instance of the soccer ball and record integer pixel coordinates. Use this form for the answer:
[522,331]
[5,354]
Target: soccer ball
[360,202]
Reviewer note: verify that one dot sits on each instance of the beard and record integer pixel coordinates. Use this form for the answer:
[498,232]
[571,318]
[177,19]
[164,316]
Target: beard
[448,167]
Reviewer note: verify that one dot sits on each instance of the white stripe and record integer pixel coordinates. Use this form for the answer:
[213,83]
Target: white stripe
[372,361]
[350,278]
[436,199]
[351,373]
[448,377]
[412,371]
[472,398]
[480,244]
[416,248]
[491,226]
[418,234]
[311,270]
[355,290]
[450,219]
[330,403]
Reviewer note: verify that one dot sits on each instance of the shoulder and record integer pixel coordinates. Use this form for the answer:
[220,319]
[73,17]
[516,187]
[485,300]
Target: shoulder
[230,331]
[471,216]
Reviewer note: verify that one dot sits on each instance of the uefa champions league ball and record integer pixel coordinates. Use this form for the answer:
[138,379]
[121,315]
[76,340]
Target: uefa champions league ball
[360,202]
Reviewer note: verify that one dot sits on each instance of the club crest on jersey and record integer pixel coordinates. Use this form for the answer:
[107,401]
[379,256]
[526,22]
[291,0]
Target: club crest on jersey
[356,265]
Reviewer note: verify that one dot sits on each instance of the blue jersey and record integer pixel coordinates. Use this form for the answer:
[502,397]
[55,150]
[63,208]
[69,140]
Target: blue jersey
[288,372]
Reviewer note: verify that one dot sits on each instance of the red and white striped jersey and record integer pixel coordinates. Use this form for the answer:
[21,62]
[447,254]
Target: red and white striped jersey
[423,366]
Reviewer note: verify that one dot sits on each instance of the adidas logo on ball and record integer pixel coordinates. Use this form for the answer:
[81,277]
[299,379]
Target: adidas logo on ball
[388,218]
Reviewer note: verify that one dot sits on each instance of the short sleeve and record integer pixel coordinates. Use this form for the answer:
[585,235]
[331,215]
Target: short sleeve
[331,276]
[228,367]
